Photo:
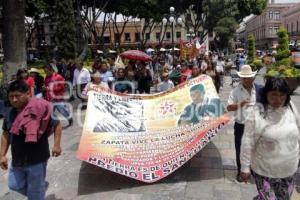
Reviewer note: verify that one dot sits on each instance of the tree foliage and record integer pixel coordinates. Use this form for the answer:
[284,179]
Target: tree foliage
[65,29]
[283,51]
[225,29]
[247,7]
[251,48]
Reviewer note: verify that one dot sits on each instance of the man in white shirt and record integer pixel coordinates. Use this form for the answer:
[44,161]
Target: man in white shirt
[81,78]
[241,96]
[106,75]
[166,84]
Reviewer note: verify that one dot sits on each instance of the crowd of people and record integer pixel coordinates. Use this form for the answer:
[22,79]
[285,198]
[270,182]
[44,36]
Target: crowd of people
[266,140]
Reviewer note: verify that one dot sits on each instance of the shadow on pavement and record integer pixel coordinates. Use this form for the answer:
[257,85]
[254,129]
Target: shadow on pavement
[52,197]
[93,179]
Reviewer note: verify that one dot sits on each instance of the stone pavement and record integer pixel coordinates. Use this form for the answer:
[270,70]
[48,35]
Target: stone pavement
[210,175]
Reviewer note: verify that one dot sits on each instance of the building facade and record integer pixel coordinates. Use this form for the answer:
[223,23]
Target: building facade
[264,27]
[291,21]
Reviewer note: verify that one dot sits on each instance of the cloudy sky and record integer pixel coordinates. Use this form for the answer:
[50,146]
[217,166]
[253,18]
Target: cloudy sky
[287,1]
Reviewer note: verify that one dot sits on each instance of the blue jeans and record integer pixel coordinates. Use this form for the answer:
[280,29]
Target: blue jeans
[29,181]
[62,108]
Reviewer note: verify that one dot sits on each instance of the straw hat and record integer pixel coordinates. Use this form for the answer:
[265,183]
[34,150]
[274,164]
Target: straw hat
[34,70]
[246,72]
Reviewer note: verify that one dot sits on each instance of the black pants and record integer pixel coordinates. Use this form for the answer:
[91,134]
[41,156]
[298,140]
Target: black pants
[79,89]
[238,134]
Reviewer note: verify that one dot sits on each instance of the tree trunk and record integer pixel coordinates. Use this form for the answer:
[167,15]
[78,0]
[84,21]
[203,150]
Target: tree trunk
[13,37]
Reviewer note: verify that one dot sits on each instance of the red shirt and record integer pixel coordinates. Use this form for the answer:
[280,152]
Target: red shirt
[185,74]
[56,87]
[30,82]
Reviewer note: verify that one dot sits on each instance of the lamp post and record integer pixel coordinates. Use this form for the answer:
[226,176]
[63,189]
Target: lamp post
[173,18]
[190,34]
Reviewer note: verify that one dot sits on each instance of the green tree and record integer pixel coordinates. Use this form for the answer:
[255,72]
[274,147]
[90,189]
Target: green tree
[247,7]
[251,48]
[225,30]
[283,51]
[204,15]
[65,29]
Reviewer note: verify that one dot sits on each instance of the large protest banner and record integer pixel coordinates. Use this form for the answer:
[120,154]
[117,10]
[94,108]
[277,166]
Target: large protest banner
[149,137]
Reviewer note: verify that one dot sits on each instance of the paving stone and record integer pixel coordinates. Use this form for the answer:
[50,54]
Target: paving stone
[207,153]
[229,164]
[199,190]
[223,144]
[248,191]
[227,153]
[226,192]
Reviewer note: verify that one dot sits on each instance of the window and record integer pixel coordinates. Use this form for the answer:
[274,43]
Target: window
[157,36]
[297,30]
[51,27]
[276,28]
[117,37]
[106,39]
[168,35]
[147,36]
[287,27]
[270,14]
[127,37]
[137,37]
[270,30]
[276,15]
[292,27]
[178,35]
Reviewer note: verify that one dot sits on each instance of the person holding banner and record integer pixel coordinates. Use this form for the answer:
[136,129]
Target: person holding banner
[96,81]
[200,108]
[165,84]
[185,72]
[212,72]
[270,147]
[195,72]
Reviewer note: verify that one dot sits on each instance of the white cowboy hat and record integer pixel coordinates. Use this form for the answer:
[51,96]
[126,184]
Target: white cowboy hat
[34,70]
[246,72]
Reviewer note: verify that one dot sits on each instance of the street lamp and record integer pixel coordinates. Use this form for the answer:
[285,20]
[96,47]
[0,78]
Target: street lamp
[190,34]
[172,19]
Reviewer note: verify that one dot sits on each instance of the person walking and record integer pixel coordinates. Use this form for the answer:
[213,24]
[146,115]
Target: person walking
[81,78]
[241,96]
[22,74]
[270,146]
[212,72]
[54,91]
[38,82]
[96,81]
[26,128]
[165,84]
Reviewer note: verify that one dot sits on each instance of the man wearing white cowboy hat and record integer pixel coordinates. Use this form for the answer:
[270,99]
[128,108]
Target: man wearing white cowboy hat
[241,97]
